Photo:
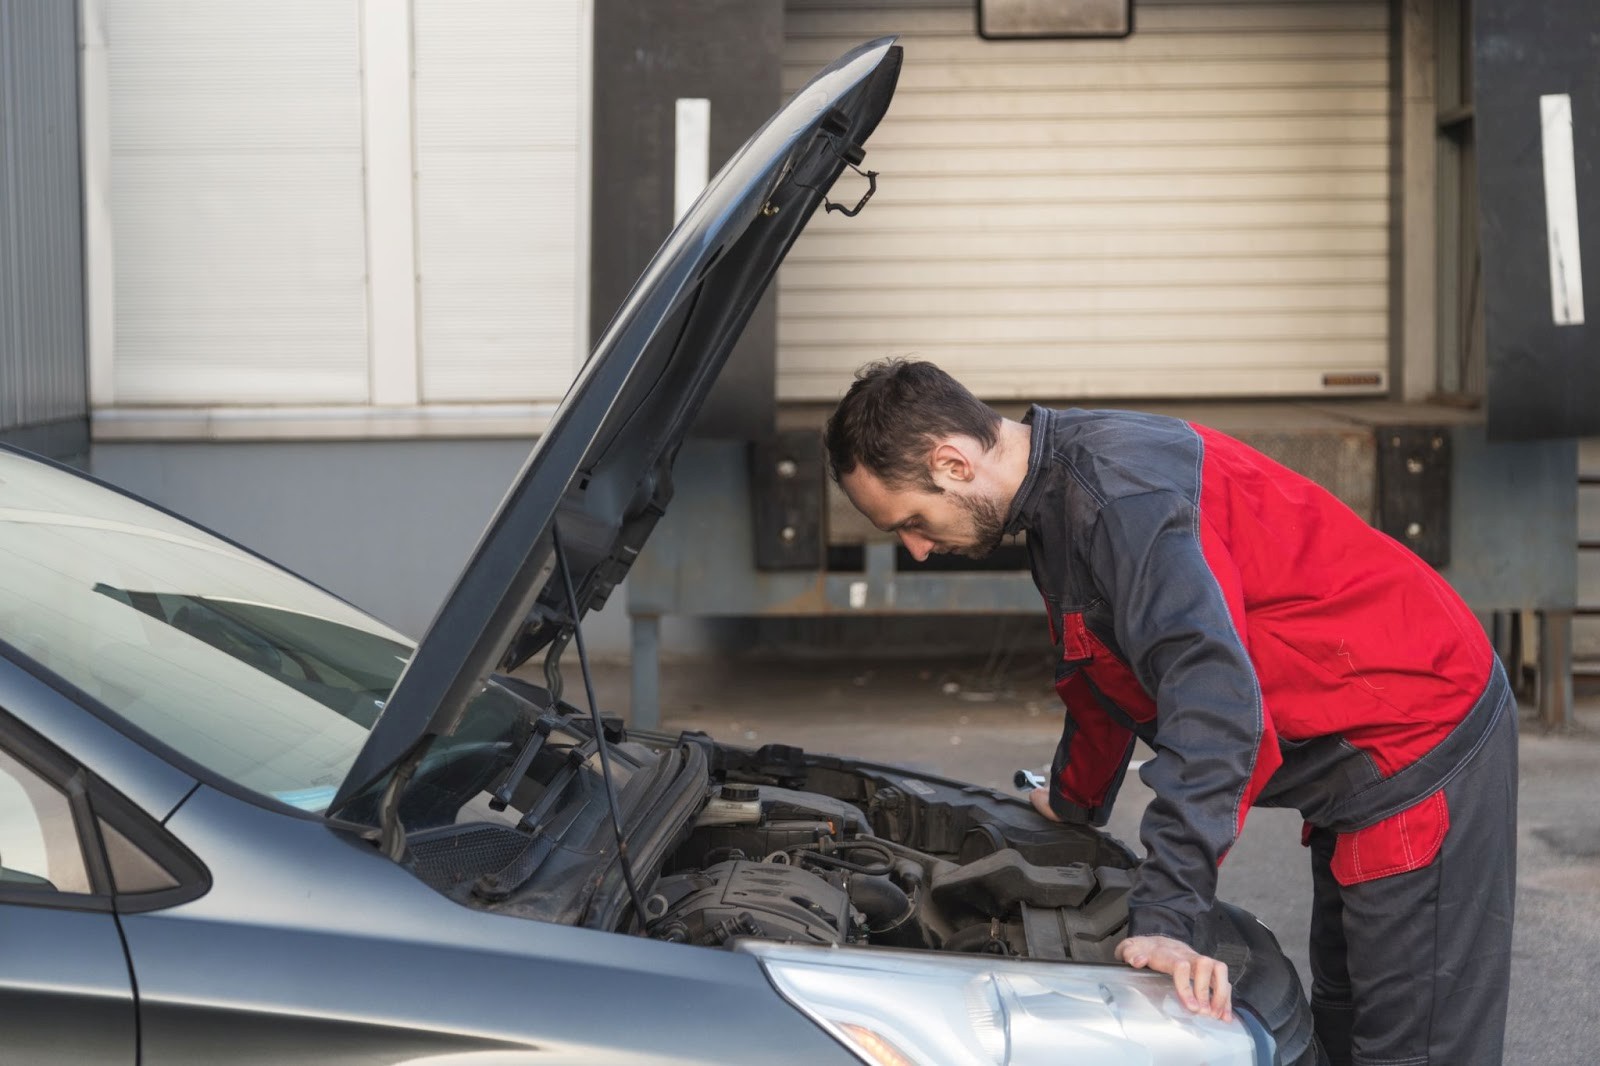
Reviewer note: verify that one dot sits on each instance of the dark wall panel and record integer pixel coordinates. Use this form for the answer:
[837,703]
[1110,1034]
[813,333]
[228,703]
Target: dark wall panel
[1543,377]
[646,56]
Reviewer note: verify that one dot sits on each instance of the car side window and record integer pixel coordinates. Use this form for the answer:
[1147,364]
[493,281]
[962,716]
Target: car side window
[40,849]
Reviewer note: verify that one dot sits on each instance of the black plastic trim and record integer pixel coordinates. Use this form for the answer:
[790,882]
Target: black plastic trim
[89,842]
[44,759]
[93,800]
[145,833]
[977,25]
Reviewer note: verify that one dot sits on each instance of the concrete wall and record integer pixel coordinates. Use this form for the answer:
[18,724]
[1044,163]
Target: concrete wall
[385,524]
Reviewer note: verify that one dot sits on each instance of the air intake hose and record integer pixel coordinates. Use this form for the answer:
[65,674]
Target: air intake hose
[887,908]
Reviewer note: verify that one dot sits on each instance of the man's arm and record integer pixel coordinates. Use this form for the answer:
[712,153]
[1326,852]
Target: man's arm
[1091,758]
[1201,981]
[1179,610]
[1178,603]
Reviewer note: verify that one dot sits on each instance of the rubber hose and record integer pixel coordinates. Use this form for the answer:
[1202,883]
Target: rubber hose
[881,900]
[972,938]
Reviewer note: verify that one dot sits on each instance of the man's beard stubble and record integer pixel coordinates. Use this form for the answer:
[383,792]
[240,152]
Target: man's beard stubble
[988,525]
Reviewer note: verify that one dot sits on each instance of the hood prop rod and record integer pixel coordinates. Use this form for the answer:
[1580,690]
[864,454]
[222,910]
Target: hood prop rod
[639,913]
[392,831]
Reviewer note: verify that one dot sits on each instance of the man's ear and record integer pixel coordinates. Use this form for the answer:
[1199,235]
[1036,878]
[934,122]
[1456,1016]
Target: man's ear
[950,462]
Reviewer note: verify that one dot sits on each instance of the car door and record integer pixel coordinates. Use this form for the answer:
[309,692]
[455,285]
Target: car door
[66,995]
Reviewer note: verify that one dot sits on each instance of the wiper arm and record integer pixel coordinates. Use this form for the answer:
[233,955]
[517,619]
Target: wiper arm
[503,792]
[546,836]
[577,755]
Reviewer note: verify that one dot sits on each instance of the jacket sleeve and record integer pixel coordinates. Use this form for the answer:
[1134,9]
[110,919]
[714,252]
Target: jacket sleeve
[1179,609]
[1090,760]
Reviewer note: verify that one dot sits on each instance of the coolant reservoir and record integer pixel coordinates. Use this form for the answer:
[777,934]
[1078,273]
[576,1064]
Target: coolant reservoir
[733,805]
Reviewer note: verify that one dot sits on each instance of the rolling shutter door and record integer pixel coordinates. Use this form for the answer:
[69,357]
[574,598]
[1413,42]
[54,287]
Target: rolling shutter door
[1198,210]
[236,195]
[500,211]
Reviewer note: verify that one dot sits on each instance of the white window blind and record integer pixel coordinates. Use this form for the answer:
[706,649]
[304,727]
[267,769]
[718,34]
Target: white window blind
[235,188]
[1199,210]
[501,215]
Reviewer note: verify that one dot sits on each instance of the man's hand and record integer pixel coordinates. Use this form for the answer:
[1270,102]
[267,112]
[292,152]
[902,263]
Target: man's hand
[1202,982]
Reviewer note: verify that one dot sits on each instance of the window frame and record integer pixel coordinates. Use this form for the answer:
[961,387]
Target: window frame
[90,801]
[1462,366]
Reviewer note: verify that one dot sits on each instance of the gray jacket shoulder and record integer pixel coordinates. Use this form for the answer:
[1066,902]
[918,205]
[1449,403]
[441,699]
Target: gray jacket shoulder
[1115,454]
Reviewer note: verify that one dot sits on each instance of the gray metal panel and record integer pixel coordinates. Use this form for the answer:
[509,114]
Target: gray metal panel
[42,358]
[1513,521]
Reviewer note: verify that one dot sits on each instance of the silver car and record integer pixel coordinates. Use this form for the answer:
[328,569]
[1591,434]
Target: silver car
[241,821]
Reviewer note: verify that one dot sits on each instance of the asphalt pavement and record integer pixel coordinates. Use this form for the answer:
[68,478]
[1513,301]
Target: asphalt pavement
[971,721]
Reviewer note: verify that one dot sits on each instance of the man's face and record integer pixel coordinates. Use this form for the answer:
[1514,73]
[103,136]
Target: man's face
[958,521]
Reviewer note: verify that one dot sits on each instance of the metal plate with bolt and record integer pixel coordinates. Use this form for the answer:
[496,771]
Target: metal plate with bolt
[1414,489]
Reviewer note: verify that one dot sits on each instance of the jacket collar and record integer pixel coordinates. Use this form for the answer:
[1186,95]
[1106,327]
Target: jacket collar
[1025,502]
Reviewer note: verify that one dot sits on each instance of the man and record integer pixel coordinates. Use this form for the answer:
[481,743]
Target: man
[1271,648]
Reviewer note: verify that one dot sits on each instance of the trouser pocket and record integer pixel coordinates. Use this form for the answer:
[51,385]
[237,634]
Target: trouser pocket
[1399,844]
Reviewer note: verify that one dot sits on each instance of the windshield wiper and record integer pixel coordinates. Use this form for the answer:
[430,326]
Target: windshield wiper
[545,835]
[498,885]
[501,797]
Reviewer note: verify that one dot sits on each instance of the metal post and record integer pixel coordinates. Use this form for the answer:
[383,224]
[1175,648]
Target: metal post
[1499,628]
[1555,670]
[878,562]
[645,712]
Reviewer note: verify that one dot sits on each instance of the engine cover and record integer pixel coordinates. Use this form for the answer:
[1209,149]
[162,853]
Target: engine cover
[761,899]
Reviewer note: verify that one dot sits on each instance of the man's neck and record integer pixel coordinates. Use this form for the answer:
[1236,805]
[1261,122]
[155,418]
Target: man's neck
[1016,451]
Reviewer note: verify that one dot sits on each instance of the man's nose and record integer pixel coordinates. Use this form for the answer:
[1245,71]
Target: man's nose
[919,547]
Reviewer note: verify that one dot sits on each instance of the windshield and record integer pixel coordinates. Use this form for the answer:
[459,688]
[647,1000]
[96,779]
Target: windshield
[242,667]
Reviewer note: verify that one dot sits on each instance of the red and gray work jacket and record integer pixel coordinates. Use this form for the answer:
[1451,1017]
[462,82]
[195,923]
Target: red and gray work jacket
[1267,644]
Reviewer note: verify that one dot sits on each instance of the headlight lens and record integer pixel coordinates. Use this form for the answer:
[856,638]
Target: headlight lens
[899,1008]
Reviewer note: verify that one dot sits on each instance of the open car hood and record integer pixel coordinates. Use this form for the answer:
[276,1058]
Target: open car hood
[601,474]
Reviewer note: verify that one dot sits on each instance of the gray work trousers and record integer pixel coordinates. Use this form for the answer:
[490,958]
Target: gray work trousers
[1415,968]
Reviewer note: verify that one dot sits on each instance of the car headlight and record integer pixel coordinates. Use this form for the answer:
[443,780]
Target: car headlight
[903,1008]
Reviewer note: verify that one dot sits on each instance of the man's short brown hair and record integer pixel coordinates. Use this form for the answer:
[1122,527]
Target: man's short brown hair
[894,413]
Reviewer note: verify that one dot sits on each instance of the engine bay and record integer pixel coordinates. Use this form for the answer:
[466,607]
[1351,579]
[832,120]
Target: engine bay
[864,855]
[731,844]
[782,844]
